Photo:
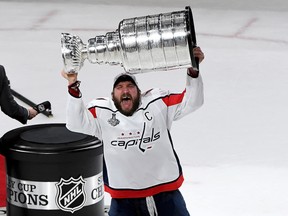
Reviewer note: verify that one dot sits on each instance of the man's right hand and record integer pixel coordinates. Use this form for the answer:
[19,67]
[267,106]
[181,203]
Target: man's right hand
[71,77]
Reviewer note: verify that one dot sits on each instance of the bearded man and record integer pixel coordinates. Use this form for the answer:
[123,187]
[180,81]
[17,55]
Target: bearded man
[142,171]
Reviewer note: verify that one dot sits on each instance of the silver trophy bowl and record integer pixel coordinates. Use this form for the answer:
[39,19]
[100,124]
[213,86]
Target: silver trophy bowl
[141,44]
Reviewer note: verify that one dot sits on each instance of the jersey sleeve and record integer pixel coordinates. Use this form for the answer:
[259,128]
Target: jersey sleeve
[80,119]
[181,104]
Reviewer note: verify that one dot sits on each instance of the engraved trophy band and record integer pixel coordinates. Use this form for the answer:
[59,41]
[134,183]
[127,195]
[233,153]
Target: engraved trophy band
[141,44]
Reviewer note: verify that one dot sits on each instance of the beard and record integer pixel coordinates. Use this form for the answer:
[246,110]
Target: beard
[135,104]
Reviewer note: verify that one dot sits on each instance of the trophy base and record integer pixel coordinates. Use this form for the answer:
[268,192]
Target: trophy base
[3,211]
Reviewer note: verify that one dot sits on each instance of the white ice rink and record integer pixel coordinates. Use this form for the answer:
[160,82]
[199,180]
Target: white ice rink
[234,150]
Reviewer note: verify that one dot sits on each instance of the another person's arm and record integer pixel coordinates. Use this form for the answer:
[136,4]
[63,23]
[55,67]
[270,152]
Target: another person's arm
[9,106]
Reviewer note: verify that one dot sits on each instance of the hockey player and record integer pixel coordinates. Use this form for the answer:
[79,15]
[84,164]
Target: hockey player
[142,172]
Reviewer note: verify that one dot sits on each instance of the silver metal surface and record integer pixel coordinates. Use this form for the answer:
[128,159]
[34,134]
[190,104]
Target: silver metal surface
[140,44]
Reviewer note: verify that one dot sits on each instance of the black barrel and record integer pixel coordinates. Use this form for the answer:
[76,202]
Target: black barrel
[52,171]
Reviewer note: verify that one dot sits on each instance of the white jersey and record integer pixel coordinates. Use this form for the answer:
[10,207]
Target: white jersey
[139,158]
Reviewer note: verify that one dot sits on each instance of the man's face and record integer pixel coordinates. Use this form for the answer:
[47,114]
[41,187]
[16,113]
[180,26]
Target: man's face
[126,97]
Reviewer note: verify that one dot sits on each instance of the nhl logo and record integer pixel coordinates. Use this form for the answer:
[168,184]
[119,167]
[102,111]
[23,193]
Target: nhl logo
[71,194]
[41,108]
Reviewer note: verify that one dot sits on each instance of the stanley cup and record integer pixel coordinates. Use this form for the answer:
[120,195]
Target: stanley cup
[141,44]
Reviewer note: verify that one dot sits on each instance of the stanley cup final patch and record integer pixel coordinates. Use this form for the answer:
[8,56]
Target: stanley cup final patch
[113,120]
[70,194]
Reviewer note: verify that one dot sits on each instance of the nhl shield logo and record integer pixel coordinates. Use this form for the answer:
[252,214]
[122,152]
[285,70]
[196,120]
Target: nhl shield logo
[71,195]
